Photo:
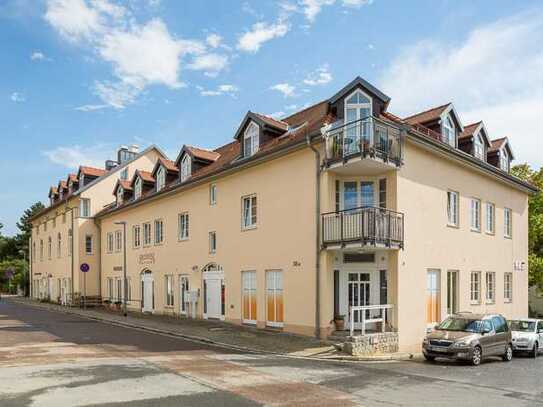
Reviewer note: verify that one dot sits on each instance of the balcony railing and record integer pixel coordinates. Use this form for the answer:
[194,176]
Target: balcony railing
[366,225]
[369,137]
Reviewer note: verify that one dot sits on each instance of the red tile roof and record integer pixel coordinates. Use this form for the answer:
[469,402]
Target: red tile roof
[168,164]
[427,116]
[125,184]
[497,144]
[92,171]
[206,155]
[62,184]
[146,176]
[468,130]
[72,177]
[272,122]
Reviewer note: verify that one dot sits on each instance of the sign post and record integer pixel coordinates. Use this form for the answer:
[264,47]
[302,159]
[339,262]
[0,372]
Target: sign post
[84,269]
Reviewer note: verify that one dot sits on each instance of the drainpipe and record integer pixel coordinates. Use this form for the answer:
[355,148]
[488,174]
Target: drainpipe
[317,239]
[98,253]
[73,254]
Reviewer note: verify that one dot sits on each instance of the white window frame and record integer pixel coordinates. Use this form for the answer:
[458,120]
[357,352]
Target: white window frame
[109,242]
[159,231]
[249,212]
[449,130]
[490,287]
[89,238]
[120,193]
[110,288]
[475,287]
[137,188]
[504,160]
[41,249]
[160,178]
[475,215]
[84,208]
[507,223]
[490,218]
[49,247]
[212,242]
[183,232]
[186,167]
[124,174]
[479,147]
[118,240]
[508,287]
[453,208]
[70,241]
[251,134]
[212,194]
[136,236]
[118,289]
[147,234]
[168,290]
[59,245]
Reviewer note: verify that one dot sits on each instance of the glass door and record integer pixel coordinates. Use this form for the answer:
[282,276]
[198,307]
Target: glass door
[359,295]
[452,292]
[248,283]
[274,298]
[183,290]
[433,300]
[358,111]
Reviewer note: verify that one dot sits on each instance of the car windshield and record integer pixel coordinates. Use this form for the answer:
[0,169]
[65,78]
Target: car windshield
[461,324]
[522,326]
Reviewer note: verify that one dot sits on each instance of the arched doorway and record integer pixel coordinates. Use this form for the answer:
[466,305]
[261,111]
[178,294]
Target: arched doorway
[213,291]
[147,291]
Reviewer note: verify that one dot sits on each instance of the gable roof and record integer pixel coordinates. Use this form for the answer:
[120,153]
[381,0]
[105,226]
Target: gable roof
[53,191]
[500,143]
[72,177]
[472,129]
[358,81]
[92,171]
[145,176]
[62,185]
[168,164]
[197,153]
[426,116]
[263,121]
[127,186]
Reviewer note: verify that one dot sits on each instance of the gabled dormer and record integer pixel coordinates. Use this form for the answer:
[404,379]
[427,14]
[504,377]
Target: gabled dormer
[86,175]
[142,183]
[191,159]
[443,121]
[474,140]
[122,191]
[53,195]
[62,189]
[500,154]
[165,172]
[72,183]
[256,130]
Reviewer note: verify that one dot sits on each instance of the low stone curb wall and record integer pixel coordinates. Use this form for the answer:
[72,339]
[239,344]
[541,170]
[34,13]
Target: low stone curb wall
[371,344]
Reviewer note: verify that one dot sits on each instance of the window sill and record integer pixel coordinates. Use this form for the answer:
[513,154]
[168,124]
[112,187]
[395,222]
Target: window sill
[453,226]
[184,239]
[490,233]
[159,244]
[475,303]
[508,301]
[475,230]
[508,237]
[490,302]
[246,228]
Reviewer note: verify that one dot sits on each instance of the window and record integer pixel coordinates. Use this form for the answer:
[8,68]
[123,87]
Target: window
[185,167]
[85,207]
[383,193]
[136,236]
[249,212]
[124,174]
[504,160]
[159,231]
[507,223]
[358,257]
[452,208]
[70,242]
[274,298]
[212,242]
[508,287]
[33,252]
[250,140]
[41,249]
[88,244]
[49,248]
[490,287]
[358,110]
[109,242]
[128,289]
[110,289]
[184,283]
[118,240]
[54,222]
[119,287]
[449,131]
[45,226]
[479,147]
[500,324]
[169,290]
[59,245]
[475,215]
[137,188]
[146,234]
[183,226]
[213,194]
[120,194]
[490,217]
[160,178]
[475,287]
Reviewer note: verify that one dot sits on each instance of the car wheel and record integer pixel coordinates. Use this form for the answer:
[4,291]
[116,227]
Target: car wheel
[429,358]
[476,356]
[535,350]
[508,355]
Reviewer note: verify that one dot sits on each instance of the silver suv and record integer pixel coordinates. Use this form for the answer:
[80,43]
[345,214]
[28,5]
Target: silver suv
[467,336]
[527,335]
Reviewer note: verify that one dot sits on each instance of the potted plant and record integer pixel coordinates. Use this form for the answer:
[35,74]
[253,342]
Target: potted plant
[339,321]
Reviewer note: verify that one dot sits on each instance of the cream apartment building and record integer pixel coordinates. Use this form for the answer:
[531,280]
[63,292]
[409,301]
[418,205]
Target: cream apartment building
[339,210]
[66,235]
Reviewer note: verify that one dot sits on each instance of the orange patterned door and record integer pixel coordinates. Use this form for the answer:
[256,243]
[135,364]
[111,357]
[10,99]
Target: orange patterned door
[433,300]
[248,280]
[274,298]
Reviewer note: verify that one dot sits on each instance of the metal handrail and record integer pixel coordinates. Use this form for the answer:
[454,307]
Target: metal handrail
[385,313]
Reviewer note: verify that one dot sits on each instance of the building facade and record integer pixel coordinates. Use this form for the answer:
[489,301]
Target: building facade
[341,211]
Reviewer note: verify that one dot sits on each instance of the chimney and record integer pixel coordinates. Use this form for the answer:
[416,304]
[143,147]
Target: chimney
[134,148]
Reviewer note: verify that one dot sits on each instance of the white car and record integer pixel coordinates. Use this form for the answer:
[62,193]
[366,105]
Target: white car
[527,335]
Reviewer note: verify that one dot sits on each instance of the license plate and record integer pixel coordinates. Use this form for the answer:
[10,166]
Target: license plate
[438,349]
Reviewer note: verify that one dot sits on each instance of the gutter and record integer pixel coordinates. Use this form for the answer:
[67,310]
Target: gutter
[317,239]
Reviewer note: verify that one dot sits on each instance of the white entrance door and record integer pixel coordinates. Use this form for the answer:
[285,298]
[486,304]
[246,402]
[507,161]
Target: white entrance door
[147,283]
[358,287]
[183,293]
[214,294]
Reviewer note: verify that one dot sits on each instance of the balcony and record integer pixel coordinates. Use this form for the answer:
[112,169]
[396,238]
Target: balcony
[370,145]
[362,227]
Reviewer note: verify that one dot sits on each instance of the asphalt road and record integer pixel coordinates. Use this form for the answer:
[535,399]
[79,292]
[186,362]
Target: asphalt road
[54,359]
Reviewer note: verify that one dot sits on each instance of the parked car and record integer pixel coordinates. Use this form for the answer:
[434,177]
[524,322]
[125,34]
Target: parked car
[472,337]
[527,335]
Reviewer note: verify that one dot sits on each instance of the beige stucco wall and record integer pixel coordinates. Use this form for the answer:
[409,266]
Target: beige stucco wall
[430,244]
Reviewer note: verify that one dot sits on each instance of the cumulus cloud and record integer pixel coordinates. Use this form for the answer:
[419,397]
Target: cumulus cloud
[261,32]
[210,63]
[74,156]
[37,56]
[321,76]
[213,40]
[17,97]
[286,89]
[311,8]
[226,89]
[494,75]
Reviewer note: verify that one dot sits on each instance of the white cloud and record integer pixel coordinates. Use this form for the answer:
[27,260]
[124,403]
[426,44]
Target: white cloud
[321,76]
[286,89]
[356,3]
[117,95]
[482,76]
[17,97]
[37,56]
[211,63]
[313,7]
[252,40]
[74,19]
[91,108]
[213,40]
[74,156]
[225,89]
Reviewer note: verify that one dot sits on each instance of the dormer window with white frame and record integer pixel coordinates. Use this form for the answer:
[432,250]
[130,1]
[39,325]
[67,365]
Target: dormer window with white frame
[449,131]
[358,111]
[160,178]
[120,193]
[250,140]
[137,188]
[479,147]
[504,160]
[185,167]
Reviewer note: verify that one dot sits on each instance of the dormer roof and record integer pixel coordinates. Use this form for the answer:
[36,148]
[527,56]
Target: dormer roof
[145,176]
[263,121]
[125,184]
[200,154]
[362,83]
[62,185]
[168,164]
[72,178]
[435,115]
[92,171]
[53,191]
[475,128]
[499,144]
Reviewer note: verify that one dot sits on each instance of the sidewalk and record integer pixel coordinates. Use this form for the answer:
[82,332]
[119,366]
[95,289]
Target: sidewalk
[218,333]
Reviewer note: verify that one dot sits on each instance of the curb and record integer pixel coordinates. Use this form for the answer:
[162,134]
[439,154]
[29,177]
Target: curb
[207,341]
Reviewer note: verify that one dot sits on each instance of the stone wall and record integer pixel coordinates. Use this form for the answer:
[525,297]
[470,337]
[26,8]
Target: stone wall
[371,344]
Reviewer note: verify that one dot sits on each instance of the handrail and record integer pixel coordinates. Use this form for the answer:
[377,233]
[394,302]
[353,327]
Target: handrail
[385,314]
[363,207]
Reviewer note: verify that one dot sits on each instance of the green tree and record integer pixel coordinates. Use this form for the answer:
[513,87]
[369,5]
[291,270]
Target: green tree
[25,226]
[13,274]
[535,223]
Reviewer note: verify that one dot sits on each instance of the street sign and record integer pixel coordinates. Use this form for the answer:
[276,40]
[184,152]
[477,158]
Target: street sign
[84,267]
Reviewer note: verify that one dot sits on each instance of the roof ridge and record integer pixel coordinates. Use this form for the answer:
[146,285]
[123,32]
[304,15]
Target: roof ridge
[303,110]
[427,110]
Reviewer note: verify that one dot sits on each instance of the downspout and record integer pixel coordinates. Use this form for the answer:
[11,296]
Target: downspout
[317,236]
[98,225]
[30,265]
[73,254]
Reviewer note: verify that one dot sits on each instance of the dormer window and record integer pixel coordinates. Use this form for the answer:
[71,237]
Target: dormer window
[449,131]
[120,194]
[82,180]
[479,147]
[160,178]
[504,160]
[60,193]
[137,188]
[358,110]
[250,140]
[185,167]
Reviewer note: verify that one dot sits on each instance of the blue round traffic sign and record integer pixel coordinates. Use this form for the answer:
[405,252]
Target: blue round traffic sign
[84,267]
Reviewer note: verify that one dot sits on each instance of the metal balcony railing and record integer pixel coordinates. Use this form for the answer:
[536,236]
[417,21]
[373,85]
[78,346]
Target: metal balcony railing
[369,137]
[366,225]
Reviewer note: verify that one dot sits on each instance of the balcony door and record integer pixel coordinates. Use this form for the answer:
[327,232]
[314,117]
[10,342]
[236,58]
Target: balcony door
[433,297]
[358,288]
[357,108]
[358,193]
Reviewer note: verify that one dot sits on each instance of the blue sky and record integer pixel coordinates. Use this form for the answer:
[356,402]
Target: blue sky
[80,77]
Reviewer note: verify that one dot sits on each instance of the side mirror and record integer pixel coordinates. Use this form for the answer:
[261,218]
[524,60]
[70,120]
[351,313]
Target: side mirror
[486,331]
